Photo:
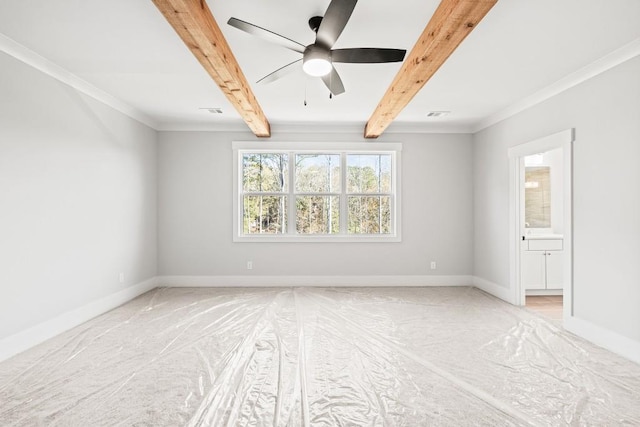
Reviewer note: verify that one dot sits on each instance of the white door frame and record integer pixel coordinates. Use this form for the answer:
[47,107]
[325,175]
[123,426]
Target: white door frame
[564,140]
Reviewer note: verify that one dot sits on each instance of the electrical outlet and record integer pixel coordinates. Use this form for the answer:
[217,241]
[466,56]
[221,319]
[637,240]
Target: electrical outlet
[121,277]
[249,265]
[433,265]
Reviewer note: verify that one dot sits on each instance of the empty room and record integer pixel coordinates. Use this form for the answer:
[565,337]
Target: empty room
[319,213]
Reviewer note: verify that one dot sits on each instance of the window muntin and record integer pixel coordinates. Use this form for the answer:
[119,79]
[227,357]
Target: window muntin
[289,194]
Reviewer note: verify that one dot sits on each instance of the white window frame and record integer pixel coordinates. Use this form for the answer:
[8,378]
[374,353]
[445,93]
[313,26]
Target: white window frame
[393,149]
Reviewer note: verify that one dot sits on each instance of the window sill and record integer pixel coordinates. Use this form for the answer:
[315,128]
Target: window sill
[317,239]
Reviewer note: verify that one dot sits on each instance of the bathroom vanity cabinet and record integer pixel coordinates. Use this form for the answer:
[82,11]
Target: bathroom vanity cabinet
[541,263]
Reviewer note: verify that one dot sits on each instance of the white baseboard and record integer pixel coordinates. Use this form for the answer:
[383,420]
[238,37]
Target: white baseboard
[37,334]
[494,289]
[612,341]
[334,281]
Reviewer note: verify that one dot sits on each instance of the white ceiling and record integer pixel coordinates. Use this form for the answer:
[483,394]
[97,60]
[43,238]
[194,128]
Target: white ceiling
[127,49]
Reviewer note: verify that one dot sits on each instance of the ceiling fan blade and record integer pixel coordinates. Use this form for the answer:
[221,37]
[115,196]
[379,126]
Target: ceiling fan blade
[334,21]
[333,82]
[367,55]
[266,35]
[280,72]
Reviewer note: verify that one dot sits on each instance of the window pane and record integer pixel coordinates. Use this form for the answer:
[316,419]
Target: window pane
[265,215]
[369,215]
[318,214]
[265,172]
[318,173]
[369,173]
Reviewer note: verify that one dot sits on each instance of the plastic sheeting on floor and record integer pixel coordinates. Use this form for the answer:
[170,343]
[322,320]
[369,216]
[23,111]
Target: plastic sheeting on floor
[318,357]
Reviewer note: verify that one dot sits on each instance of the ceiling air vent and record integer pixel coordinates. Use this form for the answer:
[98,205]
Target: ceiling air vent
[214,110]
[437,113]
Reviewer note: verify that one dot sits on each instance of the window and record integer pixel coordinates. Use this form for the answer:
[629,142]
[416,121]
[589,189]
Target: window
[323,192]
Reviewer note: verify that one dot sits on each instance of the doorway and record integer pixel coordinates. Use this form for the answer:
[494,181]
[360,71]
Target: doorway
[541,255]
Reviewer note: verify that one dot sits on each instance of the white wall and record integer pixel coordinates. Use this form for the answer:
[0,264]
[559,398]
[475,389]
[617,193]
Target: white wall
[77,199]
[195,213]
[605,112]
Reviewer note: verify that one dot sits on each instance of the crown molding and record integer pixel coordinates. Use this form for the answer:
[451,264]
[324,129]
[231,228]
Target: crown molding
[430,127]
[617,57]
[213,126]
[42,64]
[316,127]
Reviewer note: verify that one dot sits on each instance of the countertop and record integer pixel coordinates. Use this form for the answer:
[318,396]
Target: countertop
[543,236]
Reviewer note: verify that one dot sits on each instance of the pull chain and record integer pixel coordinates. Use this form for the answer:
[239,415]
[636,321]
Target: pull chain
[305,91]
[331,83]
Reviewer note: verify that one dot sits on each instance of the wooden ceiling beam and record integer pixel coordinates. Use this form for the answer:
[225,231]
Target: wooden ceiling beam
[452,21]
[197,28]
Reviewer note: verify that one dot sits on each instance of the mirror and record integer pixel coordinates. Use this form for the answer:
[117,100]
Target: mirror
[537,197]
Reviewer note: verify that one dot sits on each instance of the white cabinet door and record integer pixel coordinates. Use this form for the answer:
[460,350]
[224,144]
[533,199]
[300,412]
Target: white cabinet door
[554,270]
[532,269]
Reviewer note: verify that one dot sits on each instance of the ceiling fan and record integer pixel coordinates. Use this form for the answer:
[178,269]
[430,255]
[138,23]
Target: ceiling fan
[318,58]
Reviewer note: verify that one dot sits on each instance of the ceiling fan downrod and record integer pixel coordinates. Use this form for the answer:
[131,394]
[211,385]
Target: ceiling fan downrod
[314,23]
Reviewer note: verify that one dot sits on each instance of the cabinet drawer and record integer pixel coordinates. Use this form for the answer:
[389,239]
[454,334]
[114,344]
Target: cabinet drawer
[545,245]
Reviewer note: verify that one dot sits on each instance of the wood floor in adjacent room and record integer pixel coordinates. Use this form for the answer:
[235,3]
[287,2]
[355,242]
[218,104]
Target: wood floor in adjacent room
[318,357]
[547,305]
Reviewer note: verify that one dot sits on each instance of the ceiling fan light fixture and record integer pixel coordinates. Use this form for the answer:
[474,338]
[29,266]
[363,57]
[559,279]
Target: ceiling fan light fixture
[317,67]
[316,61]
